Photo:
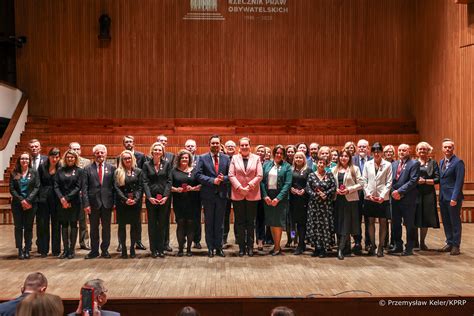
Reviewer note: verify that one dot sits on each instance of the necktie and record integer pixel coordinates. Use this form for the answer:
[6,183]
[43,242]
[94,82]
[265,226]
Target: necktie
[216,164]
[399,169]
[362,163]
[100,173]
[445,165]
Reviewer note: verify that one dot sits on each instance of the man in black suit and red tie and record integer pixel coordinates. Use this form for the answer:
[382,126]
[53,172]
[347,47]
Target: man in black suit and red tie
[212,173]
[98,200]
[451,197]
[406,172]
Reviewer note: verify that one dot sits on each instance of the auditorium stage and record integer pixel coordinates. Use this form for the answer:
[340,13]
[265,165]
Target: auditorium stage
[427,273]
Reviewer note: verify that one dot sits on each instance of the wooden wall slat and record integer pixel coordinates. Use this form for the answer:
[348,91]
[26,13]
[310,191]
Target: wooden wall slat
[444,93]
[324,59]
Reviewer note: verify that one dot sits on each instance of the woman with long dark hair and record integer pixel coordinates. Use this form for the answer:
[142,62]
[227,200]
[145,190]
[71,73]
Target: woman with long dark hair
[24,188]
[48,205]
[348,182]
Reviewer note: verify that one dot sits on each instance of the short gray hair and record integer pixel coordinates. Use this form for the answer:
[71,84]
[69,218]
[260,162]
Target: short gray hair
[99,146]
[97,285]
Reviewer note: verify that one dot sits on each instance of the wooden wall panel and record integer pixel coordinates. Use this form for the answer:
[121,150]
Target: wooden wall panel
[444,92]
[324,59]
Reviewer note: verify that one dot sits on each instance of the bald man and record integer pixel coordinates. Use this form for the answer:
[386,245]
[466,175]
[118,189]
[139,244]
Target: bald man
[404,193]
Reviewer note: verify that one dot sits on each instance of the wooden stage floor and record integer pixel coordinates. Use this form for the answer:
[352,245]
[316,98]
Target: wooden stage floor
[427,273]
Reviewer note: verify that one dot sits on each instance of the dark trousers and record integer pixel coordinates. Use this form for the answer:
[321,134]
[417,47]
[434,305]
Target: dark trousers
[166,233]
[69,234]
[214,212]
[406,211]
[158,219]
[358,238]
[260,221]
[83,232]
[100,216]
[451,216]
[47,214]
[23,221]
[245,213]
[197,225]
[128,215]
[301,233]
[185,233]
[228,207]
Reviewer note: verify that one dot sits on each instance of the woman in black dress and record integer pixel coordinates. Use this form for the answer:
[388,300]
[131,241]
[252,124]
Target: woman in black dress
[426,211]
[157,186]
[348,182]
[129,189]
[299,199]
[24,188]
[320,187]
[67,186]
[186,200]
[48,205]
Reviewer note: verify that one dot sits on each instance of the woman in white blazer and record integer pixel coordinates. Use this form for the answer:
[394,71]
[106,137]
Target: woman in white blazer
[377,176]
[348,182]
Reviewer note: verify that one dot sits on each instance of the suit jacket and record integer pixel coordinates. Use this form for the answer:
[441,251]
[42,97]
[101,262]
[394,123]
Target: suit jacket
[406,183]
[84,162]
[352,185]
[33,186]
[451,180]
[43,160]
[68,187]
[169,157]
[356,160]
[157,182]
[94,194]
[9,308]
[206,174]
[284,180]
[378,184]
[133,186]
[240,177]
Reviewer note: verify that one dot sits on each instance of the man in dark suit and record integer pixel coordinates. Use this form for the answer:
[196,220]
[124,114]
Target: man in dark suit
[83,232]
[406,172]
[451,197]
[312,160]
[212,173]
[169,157]
[191,146]
[359,160]
[98,200]
[34,146]
[129,144]
[34,283]
[37,159]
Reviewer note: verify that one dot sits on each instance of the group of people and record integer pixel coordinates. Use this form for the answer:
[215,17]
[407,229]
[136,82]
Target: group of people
[319,195]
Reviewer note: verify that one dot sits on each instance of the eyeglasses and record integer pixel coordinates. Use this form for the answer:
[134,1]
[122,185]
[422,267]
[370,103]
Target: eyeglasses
[127,158]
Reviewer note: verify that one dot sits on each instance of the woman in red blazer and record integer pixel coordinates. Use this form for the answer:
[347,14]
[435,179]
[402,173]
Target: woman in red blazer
[245,174]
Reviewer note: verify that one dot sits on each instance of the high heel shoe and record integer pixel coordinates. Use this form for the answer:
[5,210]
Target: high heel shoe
[21,256]
[132,252]
[380,252]
[277,253]
[371,250]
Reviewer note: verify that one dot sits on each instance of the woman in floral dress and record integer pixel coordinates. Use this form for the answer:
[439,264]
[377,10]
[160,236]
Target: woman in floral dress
[320,187]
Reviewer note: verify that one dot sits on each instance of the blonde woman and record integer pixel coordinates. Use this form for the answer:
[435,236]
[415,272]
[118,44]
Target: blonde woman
[299,199]
[129,189]
[67,185]
[426,209]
